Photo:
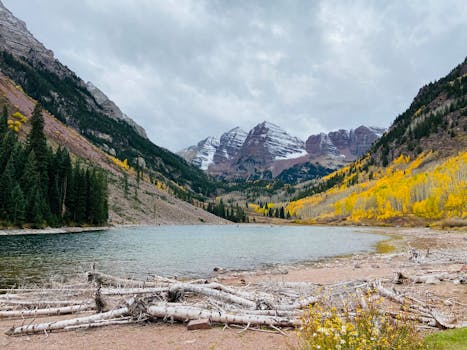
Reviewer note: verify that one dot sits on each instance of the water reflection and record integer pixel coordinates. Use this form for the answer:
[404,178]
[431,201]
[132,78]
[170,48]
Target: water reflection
[171,250]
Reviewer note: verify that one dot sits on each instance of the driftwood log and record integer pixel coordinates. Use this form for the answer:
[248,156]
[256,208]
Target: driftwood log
[109,300]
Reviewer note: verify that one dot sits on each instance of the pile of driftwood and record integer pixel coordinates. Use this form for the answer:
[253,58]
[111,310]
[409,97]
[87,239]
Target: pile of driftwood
[107,300]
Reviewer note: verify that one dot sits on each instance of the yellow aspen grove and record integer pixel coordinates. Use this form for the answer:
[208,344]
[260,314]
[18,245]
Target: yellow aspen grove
[405,188]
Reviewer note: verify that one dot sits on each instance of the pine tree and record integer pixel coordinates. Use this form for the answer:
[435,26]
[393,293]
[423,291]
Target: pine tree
[17,205]
[7,182]
[36,208]
[36,204]
[37,142]
[4,122]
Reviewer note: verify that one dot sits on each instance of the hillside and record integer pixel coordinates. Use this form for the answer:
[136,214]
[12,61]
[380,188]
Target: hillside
[415,173]
[150,205]
[86,109]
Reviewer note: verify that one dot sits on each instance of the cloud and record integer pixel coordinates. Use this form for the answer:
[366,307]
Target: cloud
[186,69]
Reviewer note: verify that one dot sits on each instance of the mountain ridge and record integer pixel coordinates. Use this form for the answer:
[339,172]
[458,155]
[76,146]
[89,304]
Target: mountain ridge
[267,150]
[33,67]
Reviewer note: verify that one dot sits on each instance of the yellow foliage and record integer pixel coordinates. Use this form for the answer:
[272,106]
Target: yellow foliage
[325,326]
[20,117]
[435,192]
[122,164]
[18,121]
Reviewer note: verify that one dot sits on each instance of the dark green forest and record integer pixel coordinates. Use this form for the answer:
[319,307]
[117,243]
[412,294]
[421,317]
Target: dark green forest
[41,187]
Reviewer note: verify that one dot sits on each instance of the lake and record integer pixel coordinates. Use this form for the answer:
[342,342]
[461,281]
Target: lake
[184,251]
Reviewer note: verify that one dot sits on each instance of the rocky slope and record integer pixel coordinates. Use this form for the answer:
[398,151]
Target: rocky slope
[229,145]
[86,109]
[112,110]
[145,203]
[350,144]
[267,151]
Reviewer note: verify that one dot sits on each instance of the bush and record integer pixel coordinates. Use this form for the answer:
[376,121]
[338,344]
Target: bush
[347,328]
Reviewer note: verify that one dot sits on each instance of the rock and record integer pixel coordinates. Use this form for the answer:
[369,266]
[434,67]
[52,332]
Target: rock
[202,323]
[112,110]
[349,143]
[229,145]
[432,280]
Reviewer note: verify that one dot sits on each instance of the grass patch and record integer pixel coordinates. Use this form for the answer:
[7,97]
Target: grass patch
[385,247]
[453,339]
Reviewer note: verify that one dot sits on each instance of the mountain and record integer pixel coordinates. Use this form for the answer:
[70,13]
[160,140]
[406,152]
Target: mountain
[85,108]
[350,144]
[112,110]
[229,146]
[415,174]
[267,151]
[144,202]
[202,155]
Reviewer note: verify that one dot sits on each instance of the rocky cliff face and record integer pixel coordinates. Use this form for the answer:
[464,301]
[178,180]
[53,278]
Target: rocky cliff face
[348,144]
[230,144]
[268,141]
[112,110]
[16,39]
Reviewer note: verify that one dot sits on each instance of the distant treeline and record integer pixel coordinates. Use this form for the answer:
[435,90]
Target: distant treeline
[269,210]
[40,187]
[229,212]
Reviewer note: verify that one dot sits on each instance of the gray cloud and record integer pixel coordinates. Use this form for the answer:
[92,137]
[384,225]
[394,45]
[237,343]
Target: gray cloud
[186,69]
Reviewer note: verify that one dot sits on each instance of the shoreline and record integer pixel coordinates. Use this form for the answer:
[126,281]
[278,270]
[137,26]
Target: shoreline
[51,230]
[447,296]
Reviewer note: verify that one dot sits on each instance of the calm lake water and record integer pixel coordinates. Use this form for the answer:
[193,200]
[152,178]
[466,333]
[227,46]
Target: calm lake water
[185,251]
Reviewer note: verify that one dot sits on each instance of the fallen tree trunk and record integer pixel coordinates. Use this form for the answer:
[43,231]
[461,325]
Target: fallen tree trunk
[50,326]
[108,280]
[203,290]
[184,312]
[46,312]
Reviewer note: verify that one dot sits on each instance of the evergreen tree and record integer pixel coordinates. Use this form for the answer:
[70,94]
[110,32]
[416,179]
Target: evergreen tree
[36,208]
[37,142]
[125,184]
[7,182]
[7,146]
[17,205]
[39,187]
[36,205]
[4,121]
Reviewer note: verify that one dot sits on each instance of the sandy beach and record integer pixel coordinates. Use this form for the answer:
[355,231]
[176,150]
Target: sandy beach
[449,297]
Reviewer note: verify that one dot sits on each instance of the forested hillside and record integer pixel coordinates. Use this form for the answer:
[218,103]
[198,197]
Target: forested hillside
[42,187]
[415,173]
[68,99]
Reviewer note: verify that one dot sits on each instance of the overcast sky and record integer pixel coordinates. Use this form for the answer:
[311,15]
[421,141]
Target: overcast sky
[187,69]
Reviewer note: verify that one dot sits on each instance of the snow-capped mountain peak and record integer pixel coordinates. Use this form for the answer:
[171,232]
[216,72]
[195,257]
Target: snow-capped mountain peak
[202,154]
[277,141]
[230,144]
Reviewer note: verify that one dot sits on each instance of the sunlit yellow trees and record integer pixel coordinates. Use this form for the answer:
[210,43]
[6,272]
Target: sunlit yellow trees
[434,191]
